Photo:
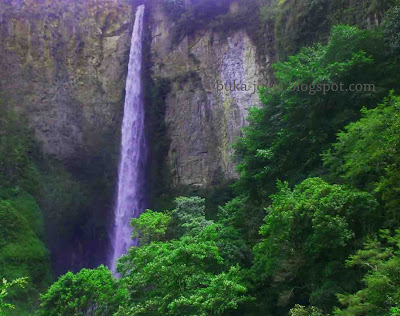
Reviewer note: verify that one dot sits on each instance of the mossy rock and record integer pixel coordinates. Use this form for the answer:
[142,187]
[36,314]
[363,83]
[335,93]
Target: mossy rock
[22,252]
[25,204]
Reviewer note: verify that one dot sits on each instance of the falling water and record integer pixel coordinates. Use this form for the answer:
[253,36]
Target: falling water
[130,199]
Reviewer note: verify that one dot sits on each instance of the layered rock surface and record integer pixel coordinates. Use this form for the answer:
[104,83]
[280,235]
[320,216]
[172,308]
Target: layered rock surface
[64,63]
[203,120]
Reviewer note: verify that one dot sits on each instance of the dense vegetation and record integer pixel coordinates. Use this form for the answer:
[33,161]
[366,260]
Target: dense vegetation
[314,227]
[22,249]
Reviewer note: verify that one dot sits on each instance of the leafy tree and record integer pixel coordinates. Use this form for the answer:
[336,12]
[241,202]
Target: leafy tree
[300,310]
[381,293]
[89,292]
[4,290]
[182,276]
[391,28]
[300,23]
[308,233]
[189,216]
[22,252]
[150,226]
[244,217]
[286,136]
[367,153]
[175,278]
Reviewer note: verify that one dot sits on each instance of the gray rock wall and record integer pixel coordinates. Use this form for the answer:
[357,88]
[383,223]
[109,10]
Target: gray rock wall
[202,120]
[63,63]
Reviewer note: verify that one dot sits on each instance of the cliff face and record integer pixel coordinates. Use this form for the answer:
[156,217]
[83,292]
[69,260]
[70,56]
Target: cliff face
[64,64]
[204,115]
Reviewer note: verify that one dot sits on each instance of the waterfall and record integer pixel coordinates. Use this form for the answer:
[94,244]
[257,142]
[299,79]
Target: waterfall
[130,199]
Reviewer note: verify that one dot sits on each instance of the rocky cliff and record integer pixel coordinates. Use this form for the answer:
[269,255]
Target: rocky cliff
[64,64]
[206,106]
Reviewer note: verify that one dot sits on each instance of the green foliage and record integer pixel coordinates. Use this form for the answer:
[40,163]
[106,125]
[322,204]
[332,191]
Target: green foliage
[394,311]
[150,226]
[296,22]
[308,233]
[189,215]
[381,292]
[26,205]
[176,278]
[245,216]
[225,292]
[367,13]
[4,290]
[63,198]
[183,276]
[16,143]
[367,154]
[300,23]
[287,135]
[300,310]
[22,252]
[391,29]
[88,292]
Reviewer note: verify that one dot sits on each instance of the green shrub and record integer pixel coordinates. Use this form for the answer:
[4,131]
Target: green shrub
[4,291]
[367,153]
[301,23]
[308,233]
[89,292]
[16,145]
[391,29]
[22,252]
